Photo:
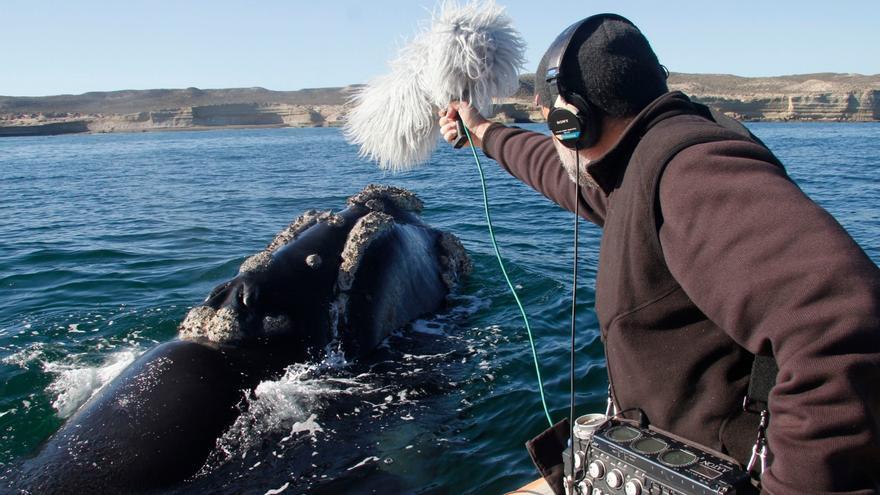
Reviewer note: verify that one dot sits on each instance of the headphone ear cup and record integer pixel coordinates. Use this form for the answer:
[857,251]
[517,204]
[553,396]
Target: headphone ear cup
[589,120]
[566,125]
[575,124]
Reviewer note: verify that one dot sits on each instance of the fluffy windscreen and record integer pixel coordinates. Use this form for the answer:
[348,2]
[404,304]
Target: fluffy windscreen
[469,52]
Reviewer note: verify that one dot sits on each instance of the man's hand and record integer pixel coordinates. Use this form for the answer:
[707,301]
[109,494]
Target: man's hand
[476,123]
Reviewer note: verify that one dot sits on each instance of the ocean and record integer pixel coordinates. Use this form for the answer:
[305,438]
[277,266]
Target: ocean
[108,239]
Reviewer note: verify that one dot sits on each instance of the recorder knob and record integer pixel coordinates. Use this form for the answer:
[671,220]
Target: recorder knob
[585,488]
[614,479]
[596,470]
[633,487]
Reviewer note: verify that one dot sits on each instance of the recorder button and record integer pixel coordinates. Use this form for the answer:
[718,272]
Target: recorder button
[596,470]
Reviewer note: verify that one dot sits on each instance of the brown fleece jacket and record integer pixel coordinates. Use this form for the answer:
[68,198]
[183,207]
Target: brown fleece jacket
[715,258]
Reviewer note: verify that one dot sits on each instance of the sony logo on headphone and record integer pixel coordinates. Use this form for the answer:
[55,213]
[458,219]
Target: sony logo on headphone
[563,121]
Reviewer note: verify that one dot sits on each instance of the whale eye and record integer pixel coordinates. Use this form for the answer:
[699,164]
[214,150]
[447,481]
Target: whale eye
[313,261]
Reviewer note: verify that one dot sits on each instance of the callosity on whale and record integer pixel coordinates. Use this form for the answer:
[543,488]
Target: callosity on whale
[347,278]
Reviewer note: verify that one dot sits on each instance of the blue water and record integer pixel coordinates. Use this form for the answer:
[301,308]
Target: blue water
[108,239]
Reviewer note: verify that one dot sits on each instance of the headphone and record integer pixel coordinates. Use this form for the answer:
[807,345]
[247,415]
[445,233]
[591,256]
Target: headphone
[573,119]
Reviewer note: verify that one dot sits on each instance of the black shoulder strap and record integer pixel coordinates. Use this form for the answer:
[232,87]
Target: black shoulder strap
[763,378]
[764,368]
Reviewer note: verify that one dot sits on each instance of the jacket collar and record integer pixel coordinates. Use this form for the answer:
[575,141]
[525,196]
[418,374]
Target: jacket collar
[607,170]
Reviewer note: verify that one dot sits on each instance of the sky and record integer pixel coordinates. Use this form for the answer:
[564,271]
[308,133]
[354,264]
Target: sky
[71,47]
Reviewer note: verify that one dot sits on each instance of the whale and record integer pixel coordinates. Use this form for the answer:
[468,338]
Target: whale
[328,282]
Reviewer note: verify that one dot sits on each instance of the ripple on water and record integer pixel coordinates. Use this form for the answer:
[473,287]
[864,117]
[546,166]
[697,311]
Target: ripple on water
[108,239]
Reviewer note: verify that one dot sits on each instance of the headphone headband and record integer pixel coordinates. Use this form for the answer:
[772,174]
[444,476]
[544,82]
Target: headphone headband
[574,121]
[557,50]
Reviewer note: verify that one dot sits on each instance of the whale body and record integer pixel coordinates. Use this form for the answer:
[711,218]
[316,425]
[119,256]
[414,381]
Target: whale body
[345,280]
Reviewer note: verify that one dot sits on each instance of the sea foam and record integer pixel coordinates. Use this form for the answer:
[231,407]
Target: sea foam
[288,405]
[76,382]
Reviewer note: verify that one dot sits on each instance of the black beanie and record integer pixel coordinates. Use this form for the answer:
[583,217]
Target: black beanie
[611,64]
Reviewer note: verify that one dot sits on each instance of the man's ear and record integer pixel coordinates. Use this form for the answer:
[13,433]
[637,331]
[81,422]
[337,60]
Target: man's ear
[537,100]
[545,112]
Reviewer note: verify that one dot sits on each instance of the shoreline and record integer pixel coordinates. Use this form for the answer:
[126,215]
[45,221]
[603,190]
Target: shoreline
[52,129]
[30,131]
[821,97]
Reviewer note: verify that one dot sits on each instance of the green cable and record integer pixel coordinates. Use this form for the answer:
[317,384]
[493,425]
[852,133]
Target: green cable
[504,272]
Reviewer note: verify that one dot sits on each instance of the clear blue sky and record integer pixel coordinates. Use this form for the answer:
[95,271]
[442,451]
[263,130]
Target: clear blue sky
[54,47]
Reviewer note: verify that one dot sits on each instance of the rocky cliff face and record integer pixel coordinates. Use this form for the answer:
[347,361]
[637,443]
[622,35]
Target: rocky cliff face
[213,116]
[198,117]
[814,97]
[860,106]
[45,129]
[824,97]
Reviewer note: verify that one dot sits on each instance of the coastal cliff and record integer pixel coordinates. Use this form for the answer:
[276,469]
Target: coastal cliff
[822,97]
[214,116]
[825,97]
[168,109]
[808,97]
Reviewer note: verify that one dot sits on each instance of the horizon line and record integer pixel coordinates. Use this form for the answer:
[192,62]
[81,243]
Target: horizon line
[351,85]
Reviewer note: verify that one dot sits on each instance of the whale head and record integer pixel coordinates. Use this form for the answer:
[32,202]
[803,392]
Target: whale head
[284,292]
[351,277]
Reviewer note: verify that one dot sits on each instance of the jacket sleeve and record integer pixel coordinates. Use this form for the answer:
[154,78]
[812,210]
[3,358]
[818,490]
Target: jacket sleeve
[779,274]
[532,158]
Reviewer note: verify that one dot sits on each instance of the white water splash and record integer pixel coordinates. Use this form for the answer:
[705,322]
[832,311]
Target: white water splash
[426,357]
[364,462]
[466,305]
[290,405]
[310,425]
[75,382]
[276,491]
[429,327]
[25,356]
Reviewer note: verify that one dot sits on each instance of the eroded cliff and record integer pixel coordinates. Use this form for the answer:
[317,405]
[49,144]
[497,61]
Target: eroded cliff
[808,97]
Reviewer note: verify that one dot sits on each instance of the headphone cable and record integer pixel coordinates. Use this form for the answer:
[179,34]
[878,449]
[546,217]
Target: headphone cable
[577,190]
[504,272]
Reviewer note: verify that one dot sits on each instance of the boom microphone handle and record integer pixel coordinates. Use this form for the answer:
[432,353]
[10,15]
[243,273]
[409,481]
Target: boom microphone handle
[462,135]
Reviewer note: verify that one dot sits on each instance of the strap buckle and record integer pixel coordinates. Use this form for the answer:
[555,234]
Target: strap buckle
[610,407]
[759,450]
[753,406]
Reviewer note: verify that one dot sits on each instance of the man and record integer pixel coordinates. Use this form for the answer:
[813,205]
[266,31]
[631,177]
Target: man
[710,255]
